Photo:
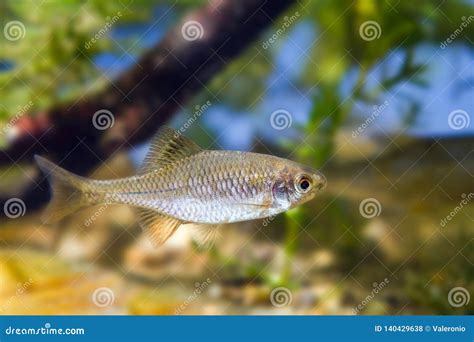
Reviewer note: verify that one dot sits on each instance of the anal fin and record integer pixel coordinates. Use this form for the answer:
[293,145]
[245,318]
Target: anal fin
[205,235]
[158,227]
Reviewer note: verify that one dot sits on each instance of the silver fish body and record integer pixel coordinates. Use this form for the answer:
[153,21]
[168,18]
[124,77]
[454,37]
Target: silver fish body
[182,183]
[209,187]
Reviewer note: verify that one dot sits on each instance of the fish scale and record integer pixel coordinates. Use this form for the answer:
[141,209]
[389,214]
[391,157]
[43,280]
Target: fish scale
[218,185]
[179,182]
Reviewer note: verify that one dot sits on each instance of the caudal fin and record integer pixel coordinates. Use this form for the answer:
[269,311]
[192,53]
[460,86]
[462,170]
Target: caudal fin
[66,188]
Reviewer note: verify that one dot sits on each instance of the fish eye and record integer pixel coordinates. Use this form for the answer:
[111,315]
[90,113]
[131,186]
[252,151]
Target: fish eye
[303,184]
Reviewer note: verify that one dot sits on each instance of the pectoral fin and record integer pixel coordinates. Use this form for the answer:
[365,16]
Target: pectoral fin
[157,226]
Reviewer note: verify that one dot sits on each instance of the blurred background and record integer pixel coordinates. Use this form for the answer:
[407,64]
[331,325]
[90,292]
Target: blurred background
[378,95]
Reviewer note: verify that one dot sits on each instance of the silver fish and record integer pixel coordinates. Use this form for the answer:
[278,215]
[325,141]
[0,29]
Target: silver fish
[181,183]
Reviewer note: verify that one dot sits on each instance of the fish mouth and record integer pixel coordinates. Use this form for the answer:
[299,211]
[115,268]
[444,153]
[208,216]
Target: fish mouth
[319,181]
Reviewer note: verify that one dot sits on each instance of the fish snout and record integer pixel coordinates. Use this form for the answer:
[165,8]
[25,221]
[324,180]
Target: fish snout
[320,181]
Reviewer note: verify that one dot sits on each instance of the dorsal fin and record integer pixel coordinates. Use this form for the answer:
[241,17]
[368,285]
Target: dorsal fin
[167,147]
[158,227]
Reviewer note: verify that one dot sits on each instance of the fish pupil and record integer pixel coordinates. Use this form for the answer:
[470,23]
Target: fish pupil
[304,184]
